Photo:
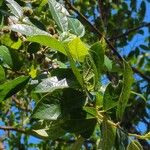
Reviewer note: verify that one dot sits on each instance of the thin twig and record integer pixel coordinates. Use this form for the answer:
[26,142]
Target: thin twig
[21,130]
[95,30]
[10,128]
[129,31]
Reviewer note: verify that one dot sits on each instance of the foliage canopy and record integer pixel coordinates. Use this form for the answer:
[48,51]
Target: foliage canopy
[64,80]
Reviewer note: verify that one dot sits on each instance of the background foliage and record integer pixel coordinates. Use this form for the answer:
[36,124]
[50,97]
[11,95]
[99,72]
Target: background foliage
[74,74]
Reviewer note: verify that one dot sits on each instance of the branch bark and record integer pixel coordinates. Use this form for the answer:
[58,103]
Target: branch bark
[10,128]
[129,31]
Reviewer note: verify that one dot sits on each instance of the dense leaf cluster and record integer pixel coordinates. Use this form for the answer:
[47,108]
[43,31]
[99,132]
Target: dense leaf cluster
[52,72]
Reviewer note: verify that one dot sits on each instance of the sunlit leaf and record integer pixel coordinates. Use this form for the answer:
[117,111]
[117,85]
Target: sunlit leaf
[50,84]
[108,63]
[78,49]
[33,72]
[48,41]
[15,8]
[75,27]
[27,30]
[59,14]
[41,132]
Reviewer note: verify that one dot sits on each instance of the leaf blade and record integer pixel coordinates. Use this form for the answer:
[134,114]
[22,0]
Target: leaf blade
[12,87]
[126,90]
[59,14]
[48,41]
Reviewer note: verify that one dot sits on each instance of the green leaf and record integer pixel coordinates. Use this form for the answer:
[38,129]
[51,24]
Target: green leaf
[108,63]
[50,84]
[59,14]
[79,126]
[40,133]
[75,70]
[76,27]
[90,74]
[48,41]
[145,47]
[7,40]
[134,145]
[55,130]
[142,10]
[91,110]
[67,73]
[111,95]
[121,139]
[97,51]
[28,30]
[15,8]
[126,90]
[2,73]
[78,49]
[47,108]
[99,99]
[72,102]
[6,56]
[108,135]
[140,95]
[12,87]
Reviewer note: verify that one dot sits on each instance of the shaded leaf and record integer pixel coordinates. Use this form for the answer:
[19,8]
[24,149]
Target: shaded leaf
[72,102]
[47,108]
[78,144]
[111,95]
[81,126]
[142,10]
[56,130]
[108,135]
[12,87]
[97,51]
[2,73]
[134,145]
[145,47]
[125,93]
[90,74]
